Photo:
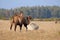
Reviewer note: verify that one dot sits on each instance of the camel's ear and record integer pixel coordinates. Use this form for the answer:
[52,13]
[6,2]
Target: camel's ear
[30,17]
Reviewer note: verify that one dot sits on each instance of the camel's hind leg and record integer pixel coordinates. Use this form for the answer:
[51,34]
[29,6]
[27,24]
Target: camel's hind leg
[11,26]
[12,22]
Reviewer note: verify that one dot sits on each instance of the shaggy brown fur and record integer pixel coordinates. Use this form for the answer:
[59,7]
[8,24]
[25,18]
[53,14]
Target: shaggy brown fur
[20,20]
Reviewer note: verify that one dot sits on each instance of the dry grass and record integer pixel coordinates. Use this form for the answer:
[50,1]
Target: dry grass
[47,31]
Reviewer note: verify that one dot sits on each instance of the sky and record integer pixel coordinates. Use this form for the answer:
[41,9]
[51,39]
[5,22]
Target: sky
[8,4]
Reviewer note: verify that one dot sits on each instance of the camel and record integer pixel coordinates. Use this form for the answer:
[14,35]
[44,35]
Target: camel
[20,20]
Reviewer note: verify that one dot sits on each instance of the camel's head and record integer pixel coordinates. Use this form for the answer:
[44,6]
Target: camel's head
[29,19]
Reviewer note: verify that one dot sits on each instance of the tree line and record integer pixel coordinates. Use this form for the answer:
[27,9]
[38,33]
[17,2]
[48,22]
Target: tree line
[35,12]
